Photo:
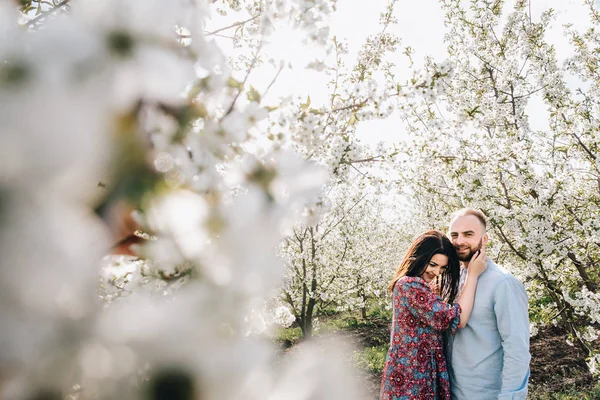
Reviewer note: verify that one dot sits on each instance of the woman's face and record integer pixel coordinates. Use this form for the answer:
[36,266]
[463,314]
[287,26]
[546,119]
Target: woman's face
[437,266]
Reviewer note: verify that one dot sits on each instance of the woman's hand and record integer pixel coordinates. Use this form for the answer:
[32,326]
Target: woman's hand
[478,263]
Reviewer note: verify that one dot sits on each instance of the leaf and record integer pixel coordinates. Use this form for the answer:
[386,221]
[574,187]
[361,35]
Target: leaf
[353,120]
[253,94]
[200,110]
[305,106]
[232,83]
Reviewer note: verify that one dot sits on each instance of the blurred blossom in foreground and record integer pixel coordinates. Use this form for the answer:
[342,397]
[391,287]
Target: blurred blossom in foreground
[102,106]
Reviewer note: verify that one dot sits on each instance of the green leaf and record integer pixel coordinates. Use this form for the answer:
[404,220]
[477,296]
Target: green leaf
[305,106]
[232,83]
[253,94]
[353,120]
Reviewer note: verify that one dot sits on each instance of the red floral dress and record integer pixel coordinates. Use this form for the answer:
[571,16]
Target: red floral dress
[415,366]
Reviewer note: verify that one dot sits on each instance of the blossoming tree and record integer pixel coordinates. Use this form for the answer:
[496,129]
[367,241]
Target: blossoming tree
[474,146]
[105,102]
[344,259]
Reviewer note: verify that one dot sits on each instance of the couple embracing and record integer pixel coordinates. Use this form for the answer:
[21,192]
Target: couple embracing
[460,326]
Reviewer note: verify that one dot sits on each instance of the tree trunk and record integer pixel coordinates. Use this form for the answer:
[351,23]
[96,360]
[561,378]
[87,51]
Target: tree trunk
[307,325]
[363,311]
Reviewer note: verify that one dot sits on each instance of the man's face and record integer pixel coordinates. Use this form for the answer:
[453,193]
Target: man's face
[467,235]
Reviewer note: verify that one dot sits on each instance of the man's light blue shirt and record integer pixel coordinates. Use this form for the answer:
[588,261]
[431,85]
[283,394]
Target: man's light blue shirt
[489,358]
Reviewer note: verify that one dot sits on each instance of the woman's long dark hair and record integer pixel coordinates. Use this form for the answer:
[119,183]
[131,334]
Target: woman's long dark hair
[418,256]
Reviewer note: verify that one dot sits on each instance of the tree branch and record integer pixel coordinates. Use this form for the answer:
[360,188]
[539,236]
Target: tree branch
[236,24]
[46,13]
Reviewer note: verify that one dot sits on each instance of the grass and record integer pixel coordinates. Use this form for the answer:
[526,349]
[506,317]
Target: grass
[342,323]
[289,336]
[539,393]
[381,313]
[335,323]
[558,370]
[371,359]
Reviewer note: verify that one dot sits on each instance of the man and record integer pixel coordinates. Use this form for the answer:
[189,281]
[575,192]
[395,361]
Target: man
[489,357]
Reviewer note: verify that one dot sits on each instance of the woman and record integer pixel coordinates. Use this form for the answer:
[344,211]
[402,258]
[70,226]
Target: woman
[415,366]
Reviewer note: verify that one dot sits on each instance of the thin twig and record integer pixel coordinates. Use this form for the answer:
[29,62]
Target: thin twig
[558,313]
[236,24]
[241,89]
[273,81]
[46,13]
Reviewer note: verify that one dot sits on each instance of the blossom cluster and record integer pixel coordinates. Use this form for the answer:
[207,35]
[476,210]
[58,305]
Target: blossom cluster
[117,105]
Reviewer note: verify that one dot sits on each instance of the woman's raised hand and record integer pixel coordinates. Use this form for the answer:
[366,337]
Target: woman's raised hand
[478,263]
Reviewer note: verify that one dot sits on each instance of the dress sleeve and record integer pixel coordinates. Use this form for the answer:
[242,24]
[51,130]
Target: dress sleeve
[429,307]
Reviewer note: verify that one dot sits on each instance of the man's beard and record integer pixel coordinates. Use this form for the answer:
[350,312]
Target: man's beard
[468,256]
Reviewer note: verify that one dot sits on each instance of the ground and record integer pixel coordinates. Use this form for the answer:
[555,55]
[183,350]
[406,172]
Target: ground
[558,371]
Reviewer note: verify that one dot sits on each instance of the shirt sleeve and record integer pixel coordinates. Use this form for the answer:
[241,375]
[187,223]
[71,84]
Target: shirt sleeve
[510,307]
[429,307]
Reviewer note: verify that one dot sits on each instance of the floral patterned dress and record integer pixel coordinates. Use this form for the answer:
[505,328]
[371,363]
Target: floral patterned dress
[415,366]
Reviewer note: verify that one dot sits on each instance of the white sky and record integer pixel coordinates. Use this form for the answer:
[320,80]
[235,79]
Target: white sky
[420,26]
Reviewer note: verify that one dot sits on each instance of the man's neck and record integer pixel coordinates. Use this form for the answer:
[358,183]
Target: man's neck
[465,264]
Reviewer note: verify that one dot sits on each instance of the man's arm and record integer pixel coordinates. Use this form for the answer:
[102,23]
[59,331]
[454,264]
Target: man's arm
[510,307]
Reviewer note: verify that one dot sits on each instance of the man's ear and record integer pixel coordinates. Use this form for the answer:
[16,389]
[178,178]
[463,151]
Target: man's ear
[485,238]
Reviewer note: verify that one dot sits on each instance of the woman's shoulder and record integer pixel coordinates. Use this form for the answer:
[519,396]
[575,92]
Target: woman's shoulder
[407,282]
[411,279]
